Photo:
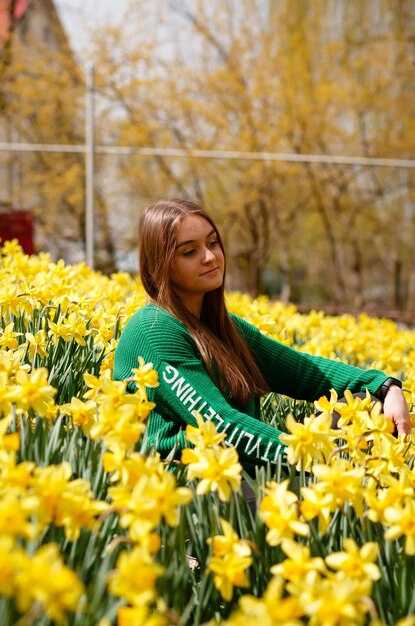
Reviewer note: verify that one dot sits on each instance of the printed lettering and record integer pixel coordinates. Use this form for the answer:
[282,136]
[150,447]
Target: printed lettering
[265,455]
[219,421]
[227,425]
[235,430]
[191,401]
[200,408]
[210,414]
[182,389]
[255,448]
[189,398]
[180,385]
[239,438]
[277,452]
[250,436]
[170,370]
[186,392]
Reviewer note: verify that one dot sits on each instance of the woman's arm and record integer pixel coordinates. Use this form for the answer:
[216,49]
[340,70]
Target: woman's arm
[396,407]
[186,387]
[304,376]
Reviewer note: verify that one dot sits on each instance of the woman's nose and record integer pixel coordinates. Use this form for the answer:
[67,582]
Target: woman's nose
[208,256]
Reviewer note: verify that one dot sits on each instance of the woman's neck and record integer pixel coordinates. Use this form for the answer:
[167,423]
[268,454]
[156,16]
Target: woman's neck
[193,306]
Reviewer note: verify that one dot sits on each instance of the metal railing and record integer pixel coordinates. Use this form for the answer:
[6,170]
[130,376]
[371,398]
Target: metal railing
[89,149]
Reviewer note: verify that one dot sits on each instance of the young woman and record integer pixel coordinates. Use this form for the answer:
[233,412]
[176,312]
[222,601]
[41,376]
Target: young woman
[214,362]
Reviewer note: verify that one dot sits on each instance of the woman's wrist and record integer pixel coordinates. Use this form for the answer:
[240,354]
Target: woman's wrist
[388,383]
[393,388]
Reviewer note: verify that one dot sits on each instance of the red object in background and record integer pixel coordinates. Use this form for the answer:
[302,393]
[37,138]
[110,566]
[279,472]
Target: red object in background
[17,225]
[19,11]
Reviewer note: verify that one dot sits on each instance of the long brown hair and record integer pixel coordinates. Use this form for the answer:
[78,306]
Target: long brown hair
[219,342]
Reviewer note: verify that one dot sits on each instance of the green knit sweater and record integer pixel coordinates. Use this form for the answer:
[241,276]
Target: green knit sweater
[185,386]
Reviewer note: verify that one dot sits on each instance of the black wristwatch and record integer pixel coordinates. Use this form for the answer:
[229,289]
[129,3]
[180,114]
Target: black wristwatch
[384,388]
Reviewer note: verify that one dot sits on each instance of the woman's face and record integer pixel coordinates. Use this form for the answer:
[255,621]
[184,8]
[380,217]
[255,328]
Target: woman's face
[198,263]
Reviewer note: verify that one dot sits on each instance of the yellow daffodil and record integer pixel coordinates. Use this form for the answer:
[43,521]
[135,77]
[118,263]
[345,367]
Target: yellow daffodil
[76,509]
[8,394]
[228,542]
[48,484]
[144,375]
[102,328]
[298,562]
[130,467]
[204,435]
[140,616]
[15,513]
[152,498]
[14,476]
[60,330]
[356,562]
[33,391]
[9,338]
[318,504]
[10,361]
[83,413]
[274,609]
[310,441]
[94,384]
[333,600]
[135,577]
[114,398]
[230,560]
[230,572]
[327,405]
[70,328]
[395,452]
[17,300]
[401,522]
[280,513]
[49,583]
[218,469]
[12,559]
[342,481]
[37,344]
[389,493]
[121,416]
[12,248]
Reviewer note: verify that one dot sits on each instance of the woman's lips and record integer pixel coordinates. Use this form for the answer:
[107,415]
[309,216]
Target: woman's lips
[214,269]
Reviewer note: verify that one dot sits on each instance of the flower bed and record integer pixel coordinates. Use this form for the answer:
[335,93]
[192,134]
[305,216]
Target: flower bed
[95,531]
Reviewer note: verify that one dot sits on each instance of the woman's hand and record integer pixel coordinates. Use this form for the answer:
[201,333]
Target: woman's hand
[396,407]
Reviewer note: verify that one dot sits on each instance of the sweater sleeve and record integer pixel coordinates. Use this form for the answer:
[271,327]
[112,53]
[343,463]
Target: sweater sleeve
[303,376]
[185,386]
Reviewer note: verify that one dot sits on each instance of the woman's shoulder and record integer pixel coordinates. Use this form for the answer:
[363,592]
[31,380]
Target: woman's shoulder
[245,328]
[156,336]
[155,329]
[151,316]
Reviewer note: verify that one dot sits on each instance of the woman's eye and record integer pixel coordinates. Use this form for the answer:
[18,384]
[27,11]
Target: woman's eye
[189,252]
[213,243]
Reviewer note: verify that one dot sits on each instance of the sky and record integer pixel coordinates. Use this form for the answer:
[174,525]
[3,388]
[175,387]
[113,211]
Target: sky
[81,17]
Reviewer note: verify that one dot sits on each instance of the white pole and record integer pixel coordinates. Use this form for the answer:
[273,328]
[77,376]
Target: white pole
[89,167]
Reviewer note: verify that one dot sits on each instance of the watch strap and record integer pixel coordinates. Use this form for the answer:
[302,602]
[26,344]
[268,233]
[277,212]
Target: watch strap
[384,388]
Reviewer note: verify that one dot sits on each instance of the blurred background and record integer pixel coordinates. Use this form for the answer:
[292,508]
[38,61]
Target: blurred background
[292,121]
